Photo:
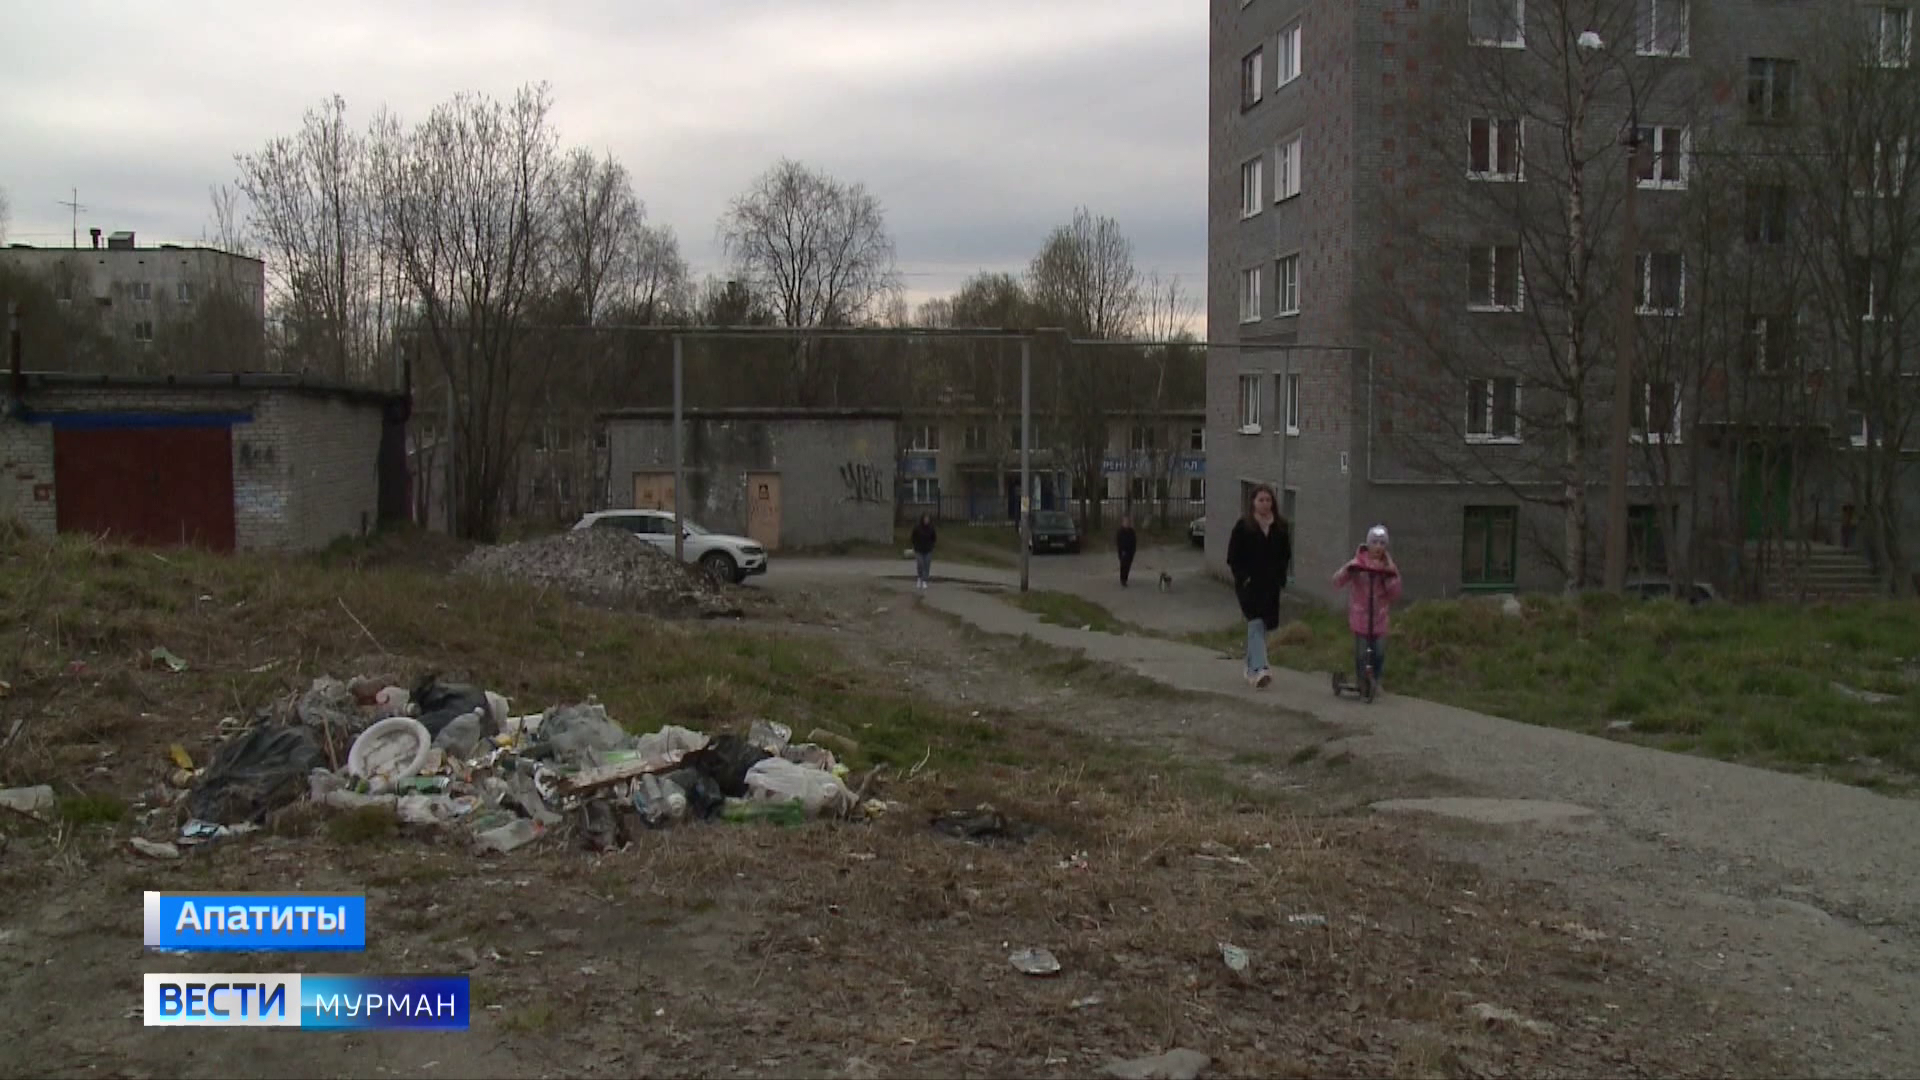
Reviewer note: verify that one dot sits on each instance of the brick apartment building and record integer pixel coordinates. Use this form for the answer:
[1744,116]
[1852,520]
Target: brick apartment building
[1332,144]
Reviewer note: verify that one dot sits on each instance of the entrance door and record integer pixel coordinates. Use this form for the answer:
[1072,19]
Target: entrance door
[653,491]
[161,486]
[763,509]
[1766,490]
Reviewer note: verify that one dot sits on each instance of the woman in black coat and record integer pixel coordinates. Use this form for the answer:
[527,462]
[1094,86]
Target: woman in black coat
[1259,553]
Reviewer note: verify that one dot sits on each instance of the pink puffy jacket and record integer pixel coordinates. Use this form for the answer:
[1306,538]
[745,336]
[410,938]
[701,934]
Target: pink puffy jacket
[1371,590]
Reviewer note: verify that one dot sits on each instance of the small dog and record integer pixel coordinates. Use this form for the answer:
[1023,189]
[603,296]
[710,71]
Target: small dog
[1166,581]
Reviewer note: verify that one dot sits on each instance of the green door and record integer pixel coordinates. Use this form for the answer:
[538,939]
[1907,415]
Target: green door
[1766,486]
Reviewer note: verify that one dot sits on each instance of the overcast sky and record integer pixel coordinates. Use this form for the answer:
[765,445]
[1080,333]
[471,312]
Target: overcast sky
[980,124]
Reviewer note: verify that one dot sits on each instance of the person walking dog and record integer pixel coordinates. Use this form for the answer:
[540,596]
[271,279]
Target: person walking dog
[1126,542]
[1259,553]
[925,536]
[1372,582]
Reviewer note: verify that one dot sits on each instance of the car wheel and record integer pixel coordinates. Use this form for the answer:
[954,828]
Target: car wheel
[720,568]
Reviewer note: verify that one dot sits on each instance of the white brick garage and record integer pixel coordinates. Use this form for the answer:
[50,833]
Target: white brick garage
[141,458]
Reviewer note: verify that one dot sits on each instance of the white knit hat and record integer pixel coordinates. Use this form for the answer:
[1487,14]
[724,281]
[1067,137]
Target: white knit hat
[1378,532]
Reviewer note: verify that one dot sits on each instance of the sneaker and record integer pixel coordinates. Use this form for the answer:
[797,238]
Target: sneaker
[1263,680]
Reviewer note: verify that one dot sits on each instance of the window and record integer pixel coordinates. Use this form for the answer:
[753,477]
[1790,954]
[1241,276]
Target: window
[1250,187]
[1889,34]
[924,438]
[1197,440]
[1497,22]
[1288,58]
[1197,489]
[562,438]
[1663,156]
[1491,540]
[923,490]
[1286,170]
[1869,278]
[183,292]
[1148,489]
[1769,344]
[1251,85]
[1769,90]
[1647,539]
[1767,207]
[565,486]
[1494,148]
[1656,413]
[1287,285]
[1143,440]
[143,330]
[975,437]
[1249,404]
[1250,295]
[600,438]
[142,291]
[1883,171]
[1493,410]
[1662,283]
[1859,431]
[539,439]
[1293,403]
[1493,278]
[1662,28]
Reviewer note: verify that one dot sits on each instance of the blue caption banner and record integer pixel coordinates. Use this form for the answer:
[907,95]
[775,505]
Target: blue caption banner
[256,922]
[321,1002]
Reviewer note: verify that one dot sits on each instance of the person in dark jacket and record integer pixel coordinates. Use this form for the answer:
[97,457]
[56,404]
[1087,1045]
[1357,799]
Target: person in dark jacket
[1259,553]
[924,537]
[1126,542]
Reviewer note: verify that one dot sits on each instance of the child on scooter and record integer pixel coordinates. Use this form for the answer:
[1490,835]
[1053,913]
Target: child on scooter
[1372,582]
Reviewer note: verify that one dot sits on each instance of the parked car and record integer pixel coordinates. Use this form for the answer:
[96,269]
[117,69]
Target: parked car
[726,559]
[1197,532]
[1661,588]
[1054,530]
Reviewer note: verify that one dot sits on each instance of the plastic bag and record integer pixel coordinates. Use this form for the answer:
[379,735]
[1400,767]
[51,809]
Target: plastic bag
[779,780]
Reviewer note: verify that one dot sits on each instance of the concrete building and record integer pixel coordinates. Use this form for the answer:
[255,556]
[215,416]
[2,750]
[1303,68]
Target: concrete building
[787,478]
[1354,191]
[230,463]
[137,292]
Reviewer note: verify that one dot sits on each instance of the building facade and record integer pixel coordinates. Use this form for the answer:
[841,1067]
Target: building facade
[136,294]
[1410,327]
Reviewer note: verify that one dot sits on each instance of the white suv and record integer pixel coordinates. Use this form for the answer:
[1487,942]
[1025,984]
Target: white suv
[728,559]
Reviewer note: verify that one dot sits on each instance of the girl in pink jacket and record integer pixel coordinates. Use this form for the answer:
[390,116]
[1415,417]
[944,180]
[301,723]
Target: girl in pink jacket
[1372,582]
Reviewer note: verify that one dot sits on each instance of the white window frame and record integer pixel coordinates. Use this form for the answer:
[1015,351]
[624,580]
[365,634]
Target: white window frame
[142,292]
[1197,440]
[143,330]
[1664,438]
[924,439]
[1287,55]
[1491,302]
[1884,52]
[1859,432]
[1872,270]
[1647,24]
[1488,387]
[973,438]
[1654,138]
[1257,77]
[1497,127]
[1290,383]
[1249,405]
[1197,489]
[1143,439]
[1884,182]
[1643,304]
[1775,113]
[1286,285]
[1286,170]
[1250,289]
[183,292]
[1253,194]
[1518,41]
[1770,340]
[923,491]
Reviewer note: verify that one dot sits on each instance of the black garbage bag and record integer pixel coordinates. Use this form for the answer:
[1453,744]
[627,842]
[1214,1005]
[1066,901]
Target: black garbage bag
[257,773]
[441,703]
[725,761]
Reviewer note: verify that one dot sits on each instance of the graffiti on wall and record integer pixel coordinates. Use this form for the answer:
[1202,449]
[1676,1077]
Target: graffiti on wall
[865,483]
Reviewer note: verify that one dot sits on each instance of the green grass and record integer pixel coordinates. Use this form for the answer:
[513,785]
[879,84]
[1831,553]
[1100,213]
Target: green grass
[1066,609]
[92,810]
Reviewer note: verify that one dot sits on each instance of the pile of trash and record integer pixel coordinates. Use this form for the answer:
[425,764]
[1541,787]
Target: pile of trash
[453,755]
[606,567]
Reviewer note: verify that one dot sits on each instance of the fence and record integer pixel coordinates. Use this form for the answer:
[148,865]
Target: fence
[993,508]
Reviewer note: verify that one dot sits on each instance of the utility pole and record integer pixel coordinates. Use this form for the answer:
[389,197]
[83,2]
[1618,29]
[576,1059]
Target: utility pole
[1026,457]
[1623,369]
[73,205]
[679,465]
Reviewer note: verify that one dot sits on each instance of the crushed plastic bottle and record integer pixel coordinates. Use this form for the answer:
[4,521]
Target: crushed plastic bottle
[660,801]
[518,833]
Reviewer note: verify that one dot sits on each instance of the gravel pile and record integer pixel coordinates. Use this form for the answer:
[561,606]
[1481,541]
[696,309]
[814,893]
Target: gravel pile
[605,567]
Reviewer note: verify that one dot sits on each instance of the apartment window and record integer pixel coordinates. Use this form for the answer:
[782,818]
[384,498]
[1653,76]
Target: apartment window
[1249,404]
[183,292]
[1288,58]
[1769,344]
[540,440]
[142,291]
[1769,90]
[1662,283]
[1286,170]
[1493,410]
[1497,22]
[1647,539]
[1767,211]
[1250,294]
[1251,187]
[1251,86]
[1494,148]
[975,437]
[1663,156]
[143,330]
[1859,431]
[1292,383]
[1490,544]
[1143,440]
[1656,413]
[1662,28]
[1287,285]
[1149,489]
[923,490]
[1882,172]
[924,438]
[1493,278]
[1197,489]
[600,438]
[1197,440]
[1889,34]
[1869,279]
[562,438]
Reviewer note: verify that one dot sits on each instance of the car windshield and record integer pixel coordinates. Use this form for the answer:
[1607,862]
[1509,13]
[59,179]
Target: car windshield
[1053,519]
[694,528]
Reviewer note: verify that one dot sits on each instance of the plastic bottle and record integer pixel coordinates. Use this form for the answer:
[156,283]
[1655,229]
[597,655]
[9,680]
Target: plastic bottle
[660,801]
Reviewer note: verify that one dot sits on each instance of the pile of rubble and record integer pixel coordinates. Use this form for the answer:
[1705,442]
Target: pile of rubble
[453,755]
[606,567]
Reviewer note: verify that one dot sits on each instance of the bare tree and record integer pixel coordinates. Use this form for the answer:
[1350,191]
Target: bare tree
[466,197]
[227,228]
[6,213]
[597,228]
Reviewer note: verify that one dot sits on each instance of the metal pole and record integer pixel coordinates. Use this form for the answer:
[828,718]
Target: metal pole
[1026,458]
[679,465]
[1624,376]
[453,427]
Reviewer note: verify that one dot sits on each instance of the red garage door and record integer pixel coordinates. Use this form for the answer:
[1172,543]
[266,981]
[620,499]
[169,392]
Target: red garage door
[160,486]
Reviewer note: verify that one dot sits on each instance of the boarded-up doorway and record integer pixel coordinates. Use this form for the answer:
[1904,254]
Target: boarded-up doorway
[653,491]
[763,509]
[159,486]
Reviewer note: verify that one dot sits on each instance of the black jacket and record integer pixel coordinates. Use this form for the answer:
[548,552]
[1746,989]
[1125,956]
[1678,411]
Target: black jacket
[923,538]
[1259,563]
[1126,542]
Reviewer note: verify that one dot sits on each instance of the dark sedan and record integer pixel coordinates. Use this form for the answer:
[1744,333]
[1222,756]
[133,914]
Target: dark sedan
[1054,530]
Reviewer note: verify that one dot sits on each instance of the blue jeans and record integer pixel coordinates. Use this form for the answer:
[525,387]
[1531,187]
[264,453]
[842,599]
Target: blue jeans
[1256,646]
[922,565]
[1361,643]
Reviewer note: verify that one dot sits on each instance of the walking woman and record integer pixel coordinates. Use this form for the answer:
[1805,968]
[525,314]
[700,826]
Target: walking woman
[1126,542]
[1259,553]
[924,537]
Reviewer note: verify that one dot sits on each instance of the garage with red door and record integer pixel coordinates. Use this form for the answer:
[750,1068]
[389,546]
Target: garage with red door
[146,485]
